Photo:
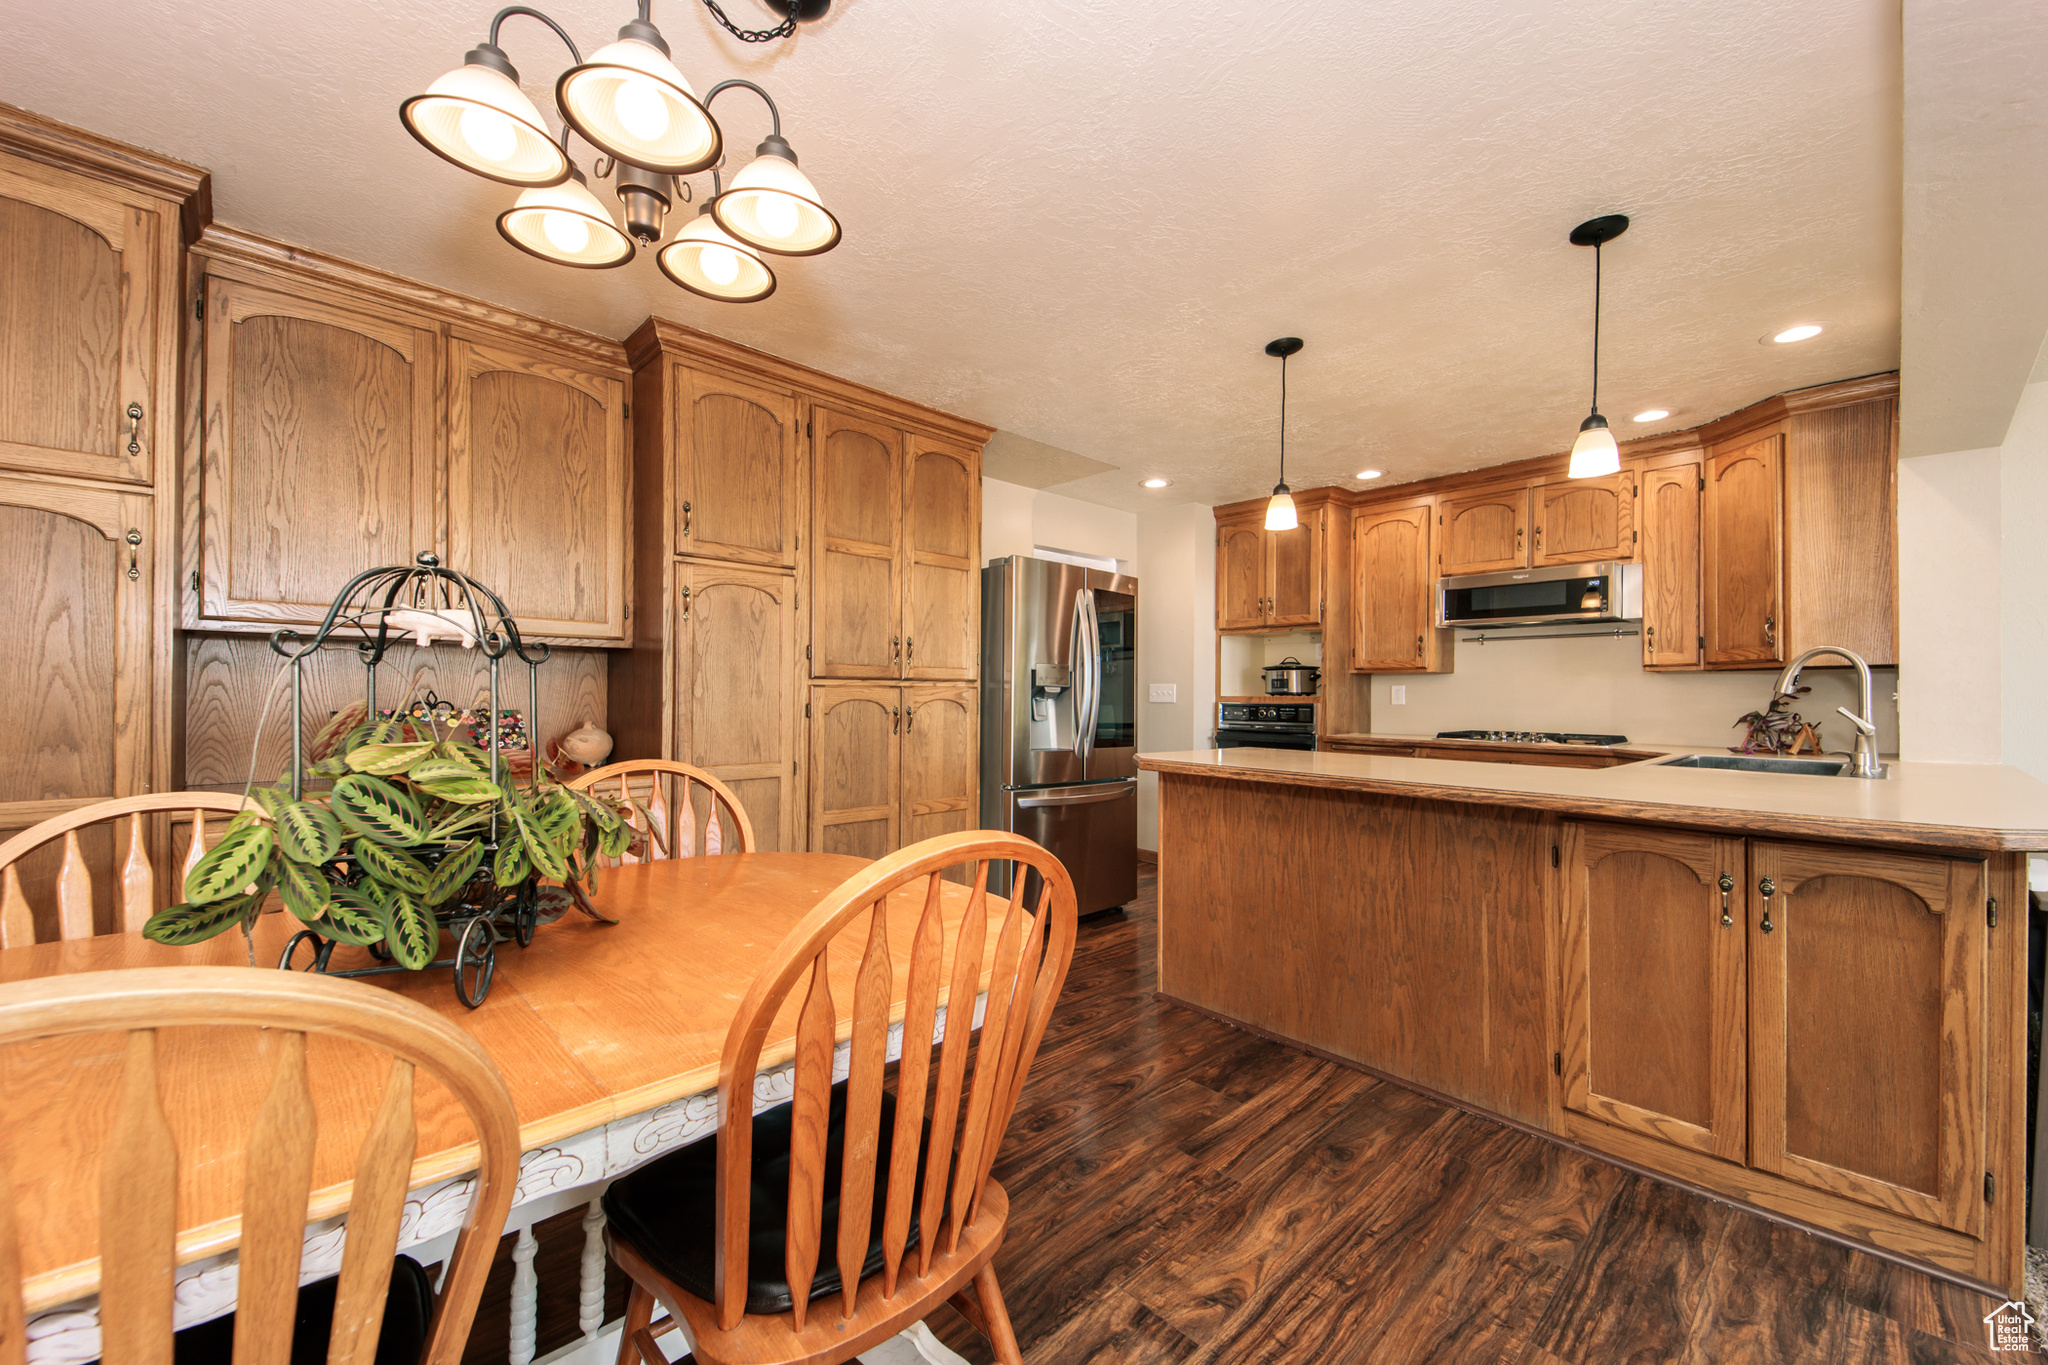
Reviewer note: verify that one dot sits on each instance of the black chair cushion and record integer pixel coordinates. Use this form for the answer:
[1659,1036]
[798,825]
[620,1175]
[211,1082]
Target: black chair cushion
[667,1209]
[408,1309]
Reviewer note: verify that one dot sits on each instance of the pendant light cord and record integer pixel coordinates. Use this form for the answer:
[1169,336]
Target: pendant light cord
[1596,326]
[1283,419]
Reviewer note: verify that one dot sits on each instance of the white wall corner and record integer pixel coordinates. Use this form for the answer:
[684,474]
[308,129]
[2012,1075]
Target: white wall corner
[1949,607]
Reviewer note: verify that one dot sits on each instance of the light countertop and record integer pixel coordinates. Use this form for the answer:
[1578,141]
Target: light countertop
[1941,805]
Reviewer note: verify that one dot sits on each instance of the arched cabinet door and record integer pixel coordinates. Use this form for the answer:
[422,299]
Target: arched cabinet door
[739,472]
[76,668]
[537,485]
[1653,964]
[1742,523]
[319,452]
[857,519]
[1868,1028]
[737,708]
[941,763]
[1392,591]
[1241,573]
[1579,521]
[1486,532]
[88,325]
[941,581]
[855,753]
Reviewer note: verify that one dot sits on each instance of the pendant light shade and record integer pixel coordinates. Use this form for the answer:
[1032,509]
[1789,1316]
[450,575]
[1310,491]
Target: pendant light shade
[1595,452]
[705,260]
[774,206]
[1280,513]
[476,117]
[566,224]
[630,99]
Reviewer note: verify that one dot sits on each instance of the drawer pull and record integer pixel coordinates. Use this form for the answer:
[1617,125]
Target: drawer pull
[1769,889]
[1727,887]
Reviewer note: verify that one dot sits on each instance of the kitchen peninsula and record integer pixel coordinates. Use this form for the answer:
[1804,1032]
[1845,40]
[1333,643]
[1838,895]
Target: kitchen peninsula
[1795,992]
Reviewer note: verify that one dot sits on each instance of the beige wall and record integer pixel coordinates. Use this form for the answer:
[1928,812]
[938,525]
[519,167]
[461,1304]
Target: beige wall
[2022,692]
[1176,641]
[1949,653]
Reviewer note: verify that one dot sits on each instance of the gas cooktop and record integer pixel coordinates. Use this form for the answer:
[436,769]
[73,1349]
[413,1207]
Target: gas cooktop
[1531,737]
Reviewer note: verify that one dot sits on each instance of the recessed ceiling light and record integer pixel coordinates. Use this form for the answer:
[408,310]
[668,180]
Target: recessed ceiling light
[1371,473]
[1653,414]
[1799,333]
[1158,483]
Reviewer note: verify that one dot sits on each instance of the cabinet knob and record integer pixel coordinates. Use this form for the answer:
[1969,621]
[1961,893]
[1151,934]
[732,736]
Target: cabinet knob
[1769,889]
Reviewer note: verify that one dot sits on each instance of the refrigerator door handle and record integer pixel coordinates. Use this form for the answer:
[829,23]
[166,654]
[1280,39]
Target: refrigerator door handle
[1116,792]
[1088,666]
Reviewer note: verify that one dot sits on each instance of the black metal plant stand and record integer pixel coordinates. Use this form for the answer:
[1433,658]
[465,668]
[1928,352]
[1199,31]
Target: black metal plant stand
[370,614]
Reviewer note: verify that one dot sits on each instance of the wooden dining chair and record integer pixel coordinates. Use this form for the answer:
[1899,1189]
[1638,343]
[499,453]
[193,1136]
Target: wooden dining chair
[138,1176]
[139,896]
[726,1235]
[675,819]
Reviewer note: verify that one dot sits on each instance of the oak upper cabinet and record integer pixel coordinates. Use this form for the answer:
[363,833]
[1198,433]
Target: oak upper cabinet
[537,485]
[1742,550]
[1484,532]
[856,757]
[1868,1028]
[1241,572]
[1582,521]
[739,473]
[941,575]
[857,518]
[88,331]
[319,450]
[1672,633]
[940,762]
[1392,593]
[735,637]
[1653,963]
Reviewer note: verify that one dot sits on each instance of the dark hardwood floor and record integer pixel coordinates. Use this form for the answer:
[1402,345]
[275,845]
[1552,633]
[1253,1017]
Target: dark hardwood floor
[1185,1191]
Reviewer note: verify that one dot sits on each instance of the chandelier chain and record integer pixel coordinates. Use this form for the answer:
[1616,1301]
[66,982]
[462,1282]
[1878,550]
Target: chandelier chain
[755,35]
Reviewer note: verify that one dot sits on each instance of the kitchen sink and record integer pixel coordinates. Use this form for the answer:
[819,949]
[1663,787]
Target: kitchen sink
[1754,763]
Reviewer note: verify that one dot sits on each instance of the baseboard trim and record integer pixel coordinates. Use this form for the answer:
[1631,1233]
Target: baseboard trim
[1149,855]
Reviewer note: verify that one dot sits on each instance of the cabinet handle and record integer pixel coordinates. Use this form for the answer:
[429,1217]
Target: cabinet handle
[909,719]
[1418,646]
[1650,638]
[686,604]
[1770,889]
[1727,887]
[909,649]
[895,649]
[135,428]
[686,518]
[896,720]
[134,539]
[1770,630]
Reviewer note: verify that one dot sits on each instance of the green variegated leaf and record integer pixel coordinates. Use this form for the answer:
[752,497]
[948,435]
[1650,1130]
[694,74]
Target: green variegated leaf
[540,847]
[464,791]
[330,735]
[557,810]
[378,810]
[180,925]
[387,760]
[458,821]
[413,936]
[329,766]
[615,841]
[363,902]
[650,831]
[597,810]
[232,865]
[346,924]
[395,868]
[512,865]
[307,833]
[468,755]
[271,799]
[305,892]
[454,871]
[437,767]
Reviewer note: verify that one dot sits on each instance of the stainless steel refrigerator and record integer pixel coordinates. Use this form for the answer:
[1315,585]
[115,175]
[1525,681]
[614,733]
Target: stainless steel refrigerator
[1059,693]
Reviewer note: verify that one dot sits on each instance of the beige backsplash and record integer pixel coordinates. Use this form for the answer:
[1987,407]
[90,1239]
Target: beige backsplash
[1597,685]
[1242,656]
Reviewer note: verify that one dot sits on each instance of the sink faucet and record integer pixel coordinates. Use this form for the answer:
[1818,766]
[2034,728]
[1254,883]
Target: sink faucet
[1864,762]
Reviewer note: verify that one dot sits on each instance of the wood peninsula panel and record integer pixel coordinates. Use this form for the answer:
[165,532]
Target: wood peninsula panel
[1579,521]
[857,521]
[739,473]
[736,637]
[1484,532]
[941,575]
[1672,632]
[1654,988]
[1742,548]
[537,485]
[1412,941]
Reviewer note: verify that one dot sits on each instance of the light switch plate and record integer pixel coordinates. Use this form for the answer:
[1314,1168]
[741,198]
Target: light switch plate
[1400,691]
[1165,691]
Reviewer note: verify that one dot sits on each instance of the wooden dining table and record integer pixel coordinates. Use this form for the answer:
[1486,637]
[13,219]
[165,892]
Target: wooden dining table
[608,1036]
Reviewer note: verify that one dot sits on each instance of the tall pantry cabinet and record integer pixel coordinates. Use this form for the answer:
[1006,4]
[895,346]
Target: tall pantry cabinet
[89,334]
[816,546]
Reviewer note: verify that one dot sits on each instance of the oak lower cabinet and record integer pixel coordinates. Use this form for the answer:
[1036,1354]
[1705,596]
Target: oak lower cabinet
[1393,592]
[1817,1015]
[891,766]
[738,707]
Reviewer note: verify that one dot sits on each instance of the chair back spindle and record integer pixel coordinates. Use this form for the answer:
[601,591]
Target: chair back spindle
[680,811]
[139,893]
[138,1222]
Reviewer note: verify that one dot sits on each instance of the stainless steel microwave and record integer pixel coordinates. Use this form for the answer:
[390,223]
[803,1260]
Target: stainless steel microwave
[1606,591]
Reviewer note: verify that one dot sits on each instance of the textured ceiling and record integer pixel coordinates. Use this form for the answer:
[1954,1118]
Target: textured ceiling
[1080,221]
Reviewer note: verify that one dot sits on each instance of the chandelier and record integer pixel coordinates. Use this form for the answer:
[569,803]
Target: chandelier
[631,103]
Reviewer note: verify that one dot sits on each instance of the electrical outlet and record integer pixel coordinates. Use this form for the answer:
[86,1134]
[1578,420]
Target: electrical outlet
[1400,691]
[1165,691]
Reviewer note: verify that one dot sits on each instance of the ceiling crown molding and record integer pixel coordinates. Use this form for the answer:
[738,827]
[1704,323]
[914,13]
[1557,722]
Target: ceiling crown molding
[74,149]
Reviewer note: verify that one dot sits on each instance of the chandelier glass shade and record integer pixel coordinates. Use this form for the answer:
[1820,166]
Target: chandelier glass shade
[774,206]
[631,101]
[477,117]
[566,224]
[705,260]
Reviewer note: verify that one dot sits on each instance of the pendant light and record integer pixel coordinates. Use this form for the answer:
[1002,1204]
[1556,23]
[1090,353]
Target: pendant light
[477,117]
[775,207]
[1595,452]
[566,224]
[705,260]
[1280,514]
[630,99]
